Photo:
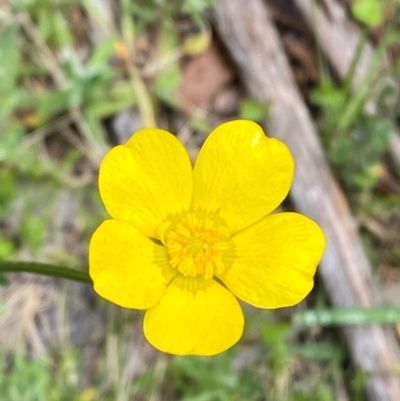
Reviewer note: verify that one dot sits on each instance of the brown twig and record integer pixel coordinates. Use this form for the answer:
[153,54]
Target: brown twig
[245,27]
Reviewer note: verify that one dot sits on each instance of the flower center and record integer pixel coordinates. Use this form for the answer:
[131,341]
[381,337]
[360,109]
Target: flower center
[197,246]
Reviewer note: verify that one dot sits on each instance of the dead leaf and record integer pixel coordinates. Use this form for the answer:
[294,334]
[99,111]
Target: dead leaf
[203,76]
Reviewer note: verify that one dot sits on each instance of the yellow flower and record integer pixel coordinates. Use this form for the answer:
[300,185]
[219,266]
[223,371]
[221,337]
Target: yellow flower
[186,243]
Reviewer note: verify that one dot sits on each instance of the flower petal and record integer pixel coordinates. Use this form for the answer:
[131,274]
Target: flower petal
[128,268]
[241,173]
[276,259]
[194,317]
[146,179]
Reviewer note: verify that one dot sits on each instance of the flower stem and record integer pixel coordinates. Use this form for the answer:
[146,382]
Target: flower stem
[45,269]
[348,316]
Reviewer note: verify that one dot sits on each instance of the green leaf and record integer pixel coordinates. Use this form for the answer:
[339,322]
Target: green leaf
[329,96]
[252,109]
[102,53]
[33,230]
[199,123]
[44,23]
[53,102]
[321,351]
[7,191]
[62,30]
[368,12]
[167,83]
[6,248]
[107,108]
[10,56]
[3,281]
[276,336]
[97,134]
[10,142]
[122,96]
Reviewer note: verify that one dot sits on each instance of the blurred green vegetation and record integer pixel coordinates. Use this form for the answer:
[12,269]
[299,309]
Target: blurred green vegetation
[355,139]
[356,127]
[249,372]
[57,95]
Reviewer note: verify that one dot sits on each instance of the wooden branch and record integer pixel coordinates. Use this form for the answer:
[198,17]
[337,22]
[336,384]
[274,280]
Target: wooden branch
[246,29]
[339,38]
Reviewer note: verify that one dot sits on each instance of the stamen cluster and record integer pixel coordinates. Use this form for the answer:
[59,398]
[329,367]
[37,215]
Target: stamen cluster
[196,246]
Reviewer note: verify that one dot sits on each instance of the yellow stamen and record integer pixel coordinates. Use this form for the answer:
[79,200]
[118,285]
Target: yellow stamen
[197,246]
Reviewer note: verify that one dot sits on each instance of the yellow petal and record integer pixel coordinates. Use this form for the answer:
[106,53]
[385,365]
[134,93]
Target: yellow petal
[275,260]
[146,179]
[194,317]
[128,268]
[241,173]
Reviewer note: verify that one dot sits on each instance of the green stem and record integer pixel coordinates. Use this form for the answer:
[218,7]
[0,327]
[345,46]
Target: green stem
[365,87]
[45,269]
[348,81]
[348,316]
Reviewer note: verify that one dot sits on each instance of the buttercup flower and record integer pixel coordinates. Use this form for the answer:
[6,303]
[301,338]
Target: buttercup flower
[186,243]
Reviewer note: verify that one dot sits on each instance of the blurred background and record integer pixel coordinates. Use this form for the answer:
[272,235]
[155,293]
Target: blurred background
[77,77]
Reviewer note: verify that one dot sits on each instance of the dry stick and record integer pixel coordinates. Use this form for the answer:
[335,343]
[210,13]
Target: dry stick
[339,38]
[246,29]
